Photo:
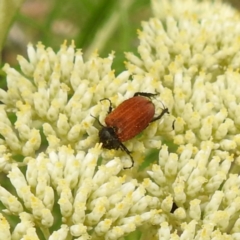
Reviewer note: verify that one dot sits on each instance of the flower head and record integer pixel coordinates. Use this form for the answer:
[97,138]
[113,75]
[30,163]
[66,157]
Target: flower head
[54,99]
[65,181]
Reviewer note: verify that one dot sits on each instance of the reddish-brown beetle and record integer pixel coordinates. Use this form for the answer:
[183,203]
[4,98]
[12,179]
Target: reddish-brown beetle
[130,118]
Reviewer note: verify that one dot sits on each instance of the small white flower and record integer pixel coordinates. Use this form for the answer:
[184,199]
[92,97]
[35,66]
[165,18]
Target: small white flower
[5,228]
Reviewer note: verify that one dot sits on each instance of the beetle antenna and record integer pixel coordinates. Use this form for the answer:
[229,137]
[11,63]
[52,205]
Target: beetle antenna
[97,120]
[149,95]
[110,104]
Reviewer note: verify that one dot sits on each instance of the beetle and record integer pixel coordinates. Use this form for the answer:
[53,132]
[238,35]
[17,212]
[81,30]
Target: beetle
[127,120]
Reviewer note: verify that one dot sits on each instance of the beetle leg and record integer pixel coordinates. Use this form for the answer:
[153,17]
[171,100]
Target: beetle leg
[174,207]
[124,148]
[145,94]
[173,124]
[110,105]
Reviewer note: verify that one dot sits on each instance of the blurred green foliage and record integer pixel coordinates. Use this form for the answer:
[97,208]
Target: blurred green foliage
[51,22]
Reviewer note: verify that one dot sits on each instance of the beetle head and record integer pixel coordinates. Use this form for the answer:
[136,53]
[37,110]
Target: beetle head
[108,138]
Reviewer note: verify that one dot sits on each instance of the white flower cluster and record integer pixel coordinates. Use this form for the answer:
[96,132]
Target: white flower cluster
[204,9]
[65,186]
[196,55]
[199,62]
[53,100]
[88,200]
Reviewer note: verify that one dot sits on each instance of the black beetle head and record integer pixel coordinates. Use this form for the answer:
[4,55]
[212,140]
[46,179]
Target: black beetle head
[108,138]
